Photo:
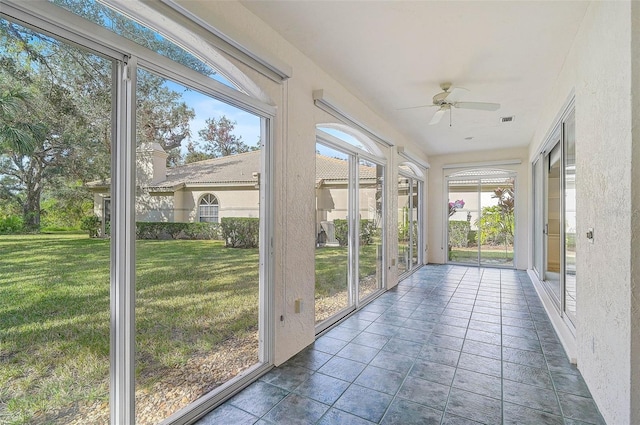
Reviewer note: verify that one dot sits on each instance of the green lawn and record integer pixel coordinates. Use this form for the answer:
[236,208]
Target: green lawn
[331,278]
[489,255]
[54,314]
[190,297]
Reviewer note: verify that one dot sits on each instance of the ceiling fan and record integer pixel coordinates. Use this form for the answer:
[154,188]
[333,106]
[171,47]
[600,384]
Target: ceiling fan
[448,98]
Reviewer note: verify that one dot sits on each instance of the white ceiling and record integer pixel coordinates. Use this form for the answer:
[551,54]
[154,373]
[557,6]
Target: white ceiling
[394,54]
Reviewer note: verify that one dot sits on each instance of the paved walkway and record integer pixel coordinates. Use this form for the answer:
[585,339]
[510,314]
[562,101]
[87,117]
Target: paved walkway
[449,345]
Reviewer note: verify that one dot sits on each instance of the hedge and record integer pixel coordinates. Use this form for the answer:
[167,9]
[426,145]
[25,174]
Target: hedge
[459,233]
[159,230]
[240,232]
[170,230]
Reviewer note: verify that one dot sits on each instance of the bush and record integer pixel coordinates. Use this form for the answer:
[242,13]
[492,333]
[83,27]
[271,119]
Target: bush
[341,231]
[459,233]
[10,223]
[473,237]
[171,230]
[203,231]
[240,232]
[92,225]
[368,231]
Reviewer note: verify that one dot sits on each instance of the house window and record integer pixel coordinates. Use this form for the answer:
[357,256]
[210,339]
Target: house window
[208,209]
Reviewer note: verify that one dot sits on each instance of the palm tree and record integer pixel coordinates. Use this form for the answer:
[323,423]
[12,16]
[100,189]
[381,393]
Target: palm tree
[16,136]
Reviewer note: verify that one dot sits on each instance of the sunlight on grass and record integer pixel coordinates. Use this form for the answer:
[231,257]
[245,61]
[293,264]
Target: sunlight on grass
[331,292]
[192,298]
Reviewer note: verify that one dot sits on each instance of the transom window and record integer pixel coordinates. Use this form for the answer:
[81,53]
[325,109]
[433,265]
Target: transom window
[208,209]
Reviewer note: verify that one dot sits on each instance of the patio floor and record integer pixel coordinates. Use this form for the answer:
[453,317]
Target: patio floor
[449,345]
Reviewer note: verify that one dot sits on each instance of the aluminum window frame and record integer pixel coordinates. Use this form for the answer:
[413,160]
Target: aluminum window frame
[126,57]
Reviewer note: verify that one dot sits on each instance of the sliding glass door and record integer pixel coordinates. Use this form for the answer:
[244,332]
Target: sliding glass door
[349,223]
[554,195]
[409,212]
[481,217]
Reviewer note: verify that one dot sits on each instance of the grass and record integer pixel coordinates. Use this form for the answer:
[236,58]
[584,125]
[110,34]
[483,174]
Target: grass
[493,255]
[331,277]
[55,311]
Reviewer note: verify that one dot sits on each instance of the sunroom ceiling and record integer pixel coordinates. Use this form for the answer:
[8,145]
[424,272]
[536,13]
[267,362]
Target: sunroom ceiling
[394,54]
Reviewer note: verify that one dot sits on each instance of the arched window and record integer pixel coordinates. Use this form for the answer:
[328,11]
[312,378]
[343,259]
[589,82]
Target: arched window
[208,209]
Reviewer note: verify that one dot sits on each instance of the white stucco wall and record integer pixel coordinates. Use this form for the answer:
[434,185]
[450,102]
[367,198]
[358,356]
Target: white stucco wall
[599,69]
[438,198]
[635,214]
[293,152]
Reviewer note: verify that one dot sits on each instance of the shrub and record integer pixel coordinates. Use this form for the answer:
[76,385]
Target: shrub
[473,237]
[341,231]
[368,231]
[240,232]
[10,223]
[172,230]
[92,225]
[203,231]
[459,233]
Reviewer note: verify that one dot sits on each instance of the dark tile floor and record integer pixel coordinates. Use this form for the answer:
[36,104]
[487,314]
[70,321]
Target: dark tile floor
[449,345]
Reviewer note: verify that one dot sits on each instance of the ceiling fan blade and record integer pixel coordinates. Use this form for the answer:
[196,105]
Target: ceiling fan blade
[416,107]
[455,94]
[438,116]
[483,106]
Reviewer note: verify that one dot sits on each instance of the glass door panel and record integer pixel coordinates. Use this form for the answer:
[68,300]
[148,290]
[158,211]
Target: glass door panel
[553,246]
[332,288]
[197,248]
[415,214]
[496,225]
[404,224]
[464,212]
[538,226]
[570,216]
[370,190]
[482,217]
[55,256]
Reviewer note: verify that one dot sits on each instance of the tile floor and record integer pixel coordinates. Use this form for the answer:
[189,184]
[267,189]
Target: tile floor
[449,345]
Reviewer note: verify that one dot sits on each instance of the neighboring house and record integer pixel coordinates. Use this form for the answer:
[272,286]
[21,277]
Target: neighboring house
[228,186]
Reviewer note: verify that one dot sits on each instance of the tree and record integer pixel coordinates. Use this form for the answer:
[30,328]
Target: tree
[15,133]
[193,155]
[219,140]
[162,115]
[497,222]
[55,130]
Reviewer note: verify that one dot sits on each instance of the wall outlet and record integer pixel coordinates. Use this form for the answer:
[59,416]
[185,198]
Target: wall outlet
[298,305]
[590,234]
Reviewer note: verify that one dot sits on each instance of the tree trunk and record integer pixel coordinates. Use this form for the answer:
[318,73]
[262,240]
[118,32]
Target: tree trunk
[31,206]
[31,210]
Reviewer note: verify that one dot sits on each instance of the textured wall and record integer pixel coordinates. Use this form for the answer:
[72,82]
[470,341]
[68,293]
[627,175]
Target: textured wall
[635,214]
[598,68]
[603,159]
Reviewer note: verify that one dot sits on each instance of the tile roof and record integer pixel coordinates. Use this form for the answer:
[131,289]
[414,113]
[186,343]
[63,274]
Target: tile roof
[239,169]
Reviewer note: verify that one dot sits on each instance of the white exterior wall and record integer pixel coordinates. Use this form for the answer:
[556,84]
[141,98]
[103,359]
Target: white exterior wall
[293,151]
[599,69]
[437,209]
[232,202]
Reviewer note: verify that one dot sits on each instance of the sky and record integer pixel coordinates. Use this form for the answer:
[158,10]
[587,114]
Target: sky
[247,124]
